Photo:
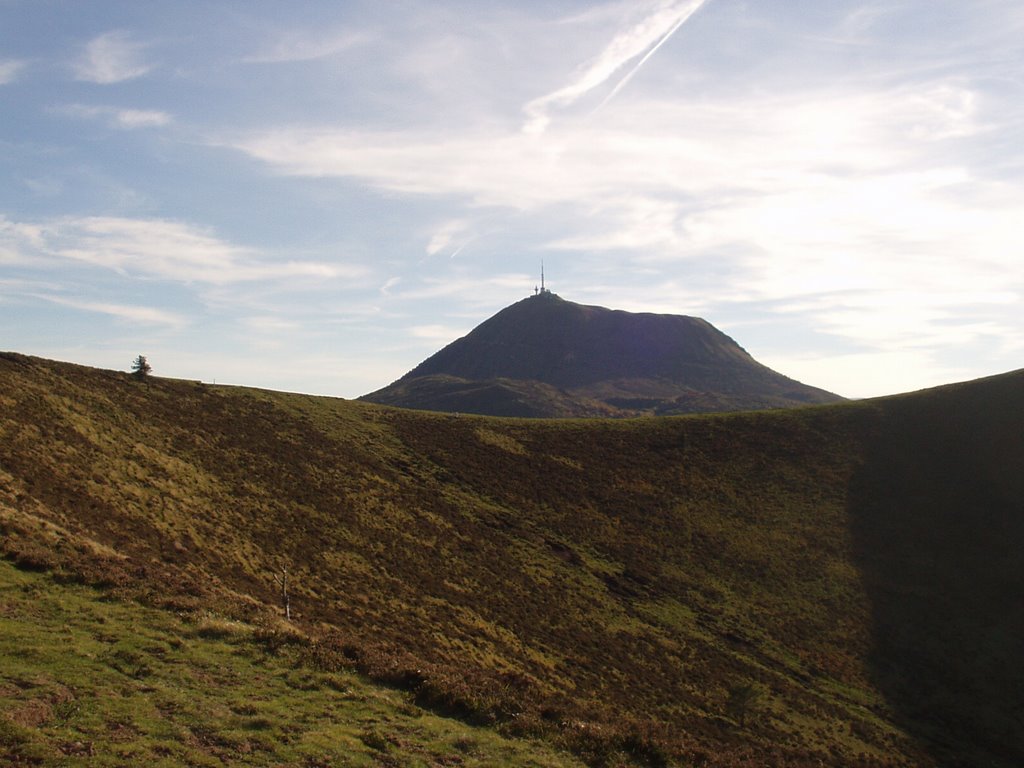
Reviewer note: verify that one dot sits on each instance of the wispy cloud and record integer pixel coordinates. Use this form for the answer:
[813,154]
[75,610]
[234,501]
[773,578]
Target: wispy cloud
[119,117]
[762,145]
[10,69]
[154,248]
[439,334]
[637,43]
[806,193]
[111,58]
[129,313]
[862,19]
[471,290]
[450,235]
[20,242]
[304,46]
[141,118]
[271,324]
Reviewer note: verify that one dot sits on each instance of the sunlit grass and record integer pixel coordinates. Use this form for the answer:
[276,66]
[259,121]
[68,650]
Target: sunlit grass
[96,682]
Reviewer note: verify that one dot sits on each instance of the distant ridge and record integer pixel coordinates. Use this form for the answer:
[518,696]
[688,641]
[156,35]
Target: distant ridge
[545,356]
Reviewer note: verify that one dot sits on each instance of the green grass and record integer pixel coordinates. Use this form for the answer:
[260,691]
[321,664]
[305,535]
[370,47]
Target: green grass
[91,681]
[600,584]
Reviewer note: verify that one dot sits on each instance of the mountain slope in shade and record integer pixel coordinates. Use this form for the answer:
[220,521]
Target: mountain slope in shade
[545,356]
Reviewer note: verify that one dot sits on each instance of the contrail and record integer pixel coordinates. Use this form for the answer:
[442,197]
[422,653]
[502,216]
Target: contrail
[622,49]
[664,38]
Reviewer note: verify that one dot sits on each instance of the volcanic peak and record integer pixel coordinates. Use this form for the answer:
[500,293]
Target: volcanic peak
[547,356]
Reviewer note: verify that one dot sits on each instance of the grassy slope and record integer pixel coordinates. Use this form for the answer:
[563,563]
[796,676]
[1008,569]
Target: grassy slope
[604,584]
[495,397]
[97,682]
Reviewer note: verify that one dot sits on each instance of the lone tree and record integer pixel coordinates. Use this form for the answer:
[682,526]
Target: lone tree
[744,700]
[141,367]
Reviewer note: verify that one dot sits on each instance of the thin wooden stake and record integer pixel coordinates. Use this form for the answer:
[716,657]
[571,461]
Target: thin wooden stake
[282,580]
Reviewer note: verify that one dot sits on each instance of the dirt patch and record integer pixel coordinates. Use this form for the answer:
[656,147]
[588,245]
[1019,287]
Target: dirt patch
[122,733]
[31,714]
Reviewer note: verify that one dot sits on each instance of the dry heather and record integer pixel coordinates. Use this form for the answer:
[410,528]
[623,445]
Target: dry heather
[613,587]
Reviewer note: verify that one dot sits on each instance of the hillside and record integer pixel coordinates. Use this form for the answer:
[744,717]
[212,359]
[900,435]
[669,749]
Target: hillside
[92,681]
[836,584]
[545,356]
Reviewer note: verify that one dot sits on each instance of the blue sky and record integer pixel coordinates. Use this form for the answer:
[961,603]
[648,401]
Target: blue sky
[315,196]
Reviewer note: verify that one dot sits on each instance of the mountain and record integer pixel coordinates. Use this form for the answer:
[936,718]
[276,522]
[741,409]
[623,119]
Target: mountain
[545,356]
[834,585]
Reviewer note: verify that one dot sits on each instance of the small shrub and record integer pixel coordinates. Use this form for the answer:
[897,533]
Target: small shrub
[375,740]
[259,724]
[649,750]
[465,744]
[34,558]
[129,662]
[18,747]
[274,637]
[325,657]
[64,710]
[213,628]
[12,735]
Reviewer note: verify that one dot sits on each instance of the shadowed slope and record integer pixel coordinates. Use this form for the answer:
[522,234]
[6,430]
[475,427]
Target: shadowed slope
[559,358]
[607,583]
[938,518]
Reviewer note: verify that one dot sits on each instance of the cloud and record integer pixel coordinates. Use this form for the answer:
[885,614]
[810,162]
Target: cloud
[112,57]
[867,374]
[805,193]
[446,235]
[299,46]
[45,186]
[118,117]
[391,282]
[141,118]
[126,312]
[10,69]
[471,290]
[864,19]
[153,248]
[439,334]
[14,235]
[639,41]
[679,150]
[907,318]
[271,324]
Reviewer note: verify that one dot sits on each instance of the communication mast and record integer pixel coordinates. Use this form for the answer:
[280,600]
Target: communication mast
[542,291]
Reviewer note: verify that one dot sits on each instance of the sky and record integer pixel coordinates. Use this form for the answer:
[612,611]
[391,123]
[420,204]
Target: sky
[316,196]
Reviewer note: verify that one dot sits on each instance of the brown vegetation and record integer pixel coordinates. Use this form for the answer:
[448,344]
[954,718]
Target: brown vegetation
[602,583]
